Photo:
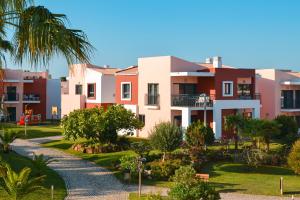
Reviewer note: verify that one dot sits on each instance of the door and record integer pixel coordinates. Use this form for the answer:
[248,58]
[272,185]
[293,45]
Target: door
[12,114]
[11,93]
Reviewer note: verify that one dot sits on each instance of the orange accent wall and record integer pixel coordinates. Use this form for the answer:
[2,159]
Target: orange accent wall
[94,105]
[133,79]
[206,85]
[38,87]
[227,74]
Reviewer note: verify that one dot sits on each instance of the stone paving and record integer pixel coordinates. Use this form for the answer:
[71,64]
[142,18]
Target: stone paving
[86,180]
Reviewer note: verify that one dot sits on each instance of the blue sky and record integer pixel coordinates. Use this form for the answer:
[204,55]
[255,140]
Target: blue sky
[246,33]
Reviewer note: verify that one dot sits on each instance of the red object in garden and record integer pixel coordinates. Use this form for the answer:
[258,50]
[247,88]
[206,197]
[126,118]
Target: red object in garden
[32,119]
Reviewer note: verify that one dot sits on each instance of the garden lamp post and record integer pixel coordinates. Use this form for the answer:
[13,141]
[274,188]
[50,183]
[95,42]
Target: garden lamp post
[140,169]
[204,100]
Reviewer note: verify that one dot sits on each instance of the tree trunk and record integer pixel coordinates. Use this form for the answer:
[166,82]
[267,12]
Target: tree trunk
[236,144]
[164,156]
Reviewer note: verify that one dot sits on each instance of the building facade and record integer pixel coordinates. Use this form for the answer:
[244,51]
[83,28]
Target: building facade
[88,86]
[171,89]
[22,91]
[280,91]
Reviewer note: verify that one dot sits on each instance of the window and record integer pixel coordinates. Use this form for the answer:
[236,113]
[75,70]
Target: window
[227,88]
[244,91]
[91,90]
[142,118]
[287,99]
[297,100]
[153,94]
[78,89]
[187,88]
[125,91]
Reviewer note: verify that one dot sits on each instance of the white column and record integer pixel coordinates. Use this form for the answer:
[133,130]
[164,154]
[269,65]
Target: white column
[185,118]
[217,122]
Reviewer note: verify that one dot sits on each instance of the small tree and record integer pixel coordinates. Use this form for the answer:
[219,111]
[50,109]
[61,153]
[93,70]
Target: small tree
[252,128]
[19,185]
[235,123]
[288,128]
[7,137]
[99,124]
[294,157]
[165,137]
[268,130]
[187,186]
[199,135]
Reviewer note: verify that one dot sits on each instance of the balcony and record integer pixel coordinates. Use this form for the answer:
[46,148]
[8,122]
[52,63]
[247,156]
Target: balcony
[186,100]
[11,98]
[249,96]
[31,98]
[152,101]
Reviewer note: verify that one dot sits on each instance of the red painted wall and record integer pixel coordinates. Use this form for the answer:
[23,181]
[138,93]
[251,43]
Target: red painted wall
[38,87]
[227,134]
[134,88]
[206,85]
[227,74]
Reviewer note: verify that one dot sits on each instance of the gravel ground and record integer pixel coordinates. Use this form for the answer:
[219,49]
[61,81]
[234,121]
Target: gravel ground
[86,180]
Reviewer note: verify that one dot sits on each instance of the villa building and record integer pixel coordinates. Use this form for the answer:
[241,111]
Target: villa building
[168,88]
[280,91]
[88,86]
[23,91]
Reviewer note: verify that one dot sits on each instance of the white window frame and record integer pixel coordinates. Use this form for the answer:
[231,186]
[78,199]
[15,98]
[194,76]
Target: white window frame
[231,88]
[122,98]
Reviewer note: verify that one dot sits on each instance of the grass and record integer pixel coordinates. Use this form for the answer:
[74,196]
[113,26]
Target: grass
[37,131]
[264,180]
[135,196]
[106,160]
[18,162]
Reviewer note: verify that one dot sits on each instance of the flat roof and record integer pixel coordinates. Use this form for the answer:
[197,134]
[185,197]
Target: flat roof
[203,74]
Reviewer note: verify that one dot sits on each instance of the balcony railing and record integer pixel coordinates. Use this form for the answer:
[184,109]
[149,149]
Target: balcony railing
[151,100]
[249,96]
[11,97]
[185,100]
[31,97]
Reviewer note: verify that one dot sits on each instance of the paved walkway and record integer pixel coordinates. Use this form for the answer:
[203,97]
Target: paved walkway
[86,180]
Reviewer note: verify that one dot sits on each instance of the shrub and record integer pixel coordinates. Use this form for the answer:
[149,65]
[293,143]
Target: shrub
[294,157]
[129,163]
[165,137]
[6,138]
[154,197]
[99,124]
[188,187]
[163,170]
[199,135]
[140,148]
[288,128]
[253,157]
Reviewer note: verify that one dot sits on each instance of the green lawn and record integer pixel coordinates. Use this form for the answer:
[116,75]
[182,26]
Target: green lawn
[234,177]
[38,131]
[17,162]
[106,160]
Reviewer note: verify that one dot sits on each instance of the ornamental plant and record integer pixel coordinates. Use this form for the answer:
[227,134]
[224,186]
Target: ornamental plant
[294,157]
[165,137]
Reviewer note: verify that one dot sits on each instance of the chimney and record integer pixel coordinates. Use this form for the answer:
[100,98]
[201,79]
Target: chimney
[217,62]
[208,60]
[105,66]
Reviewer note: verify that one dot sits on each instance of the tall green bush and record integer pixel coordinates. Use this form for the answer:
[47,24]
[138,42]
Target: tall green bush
[288,128]
[165,137]
[294,157]
[199,135]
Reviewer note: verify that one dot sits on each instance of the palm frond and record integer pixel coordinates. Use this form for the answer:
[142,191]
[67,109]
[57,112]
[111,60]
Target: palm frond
[41,35]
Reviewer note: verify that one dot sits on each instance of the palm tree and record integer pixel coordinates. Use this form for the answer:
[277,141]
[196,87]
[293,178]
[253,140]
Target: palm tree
[19,185]
[7,137]
[39,34]
[41,162]
[235,123]
[252,129]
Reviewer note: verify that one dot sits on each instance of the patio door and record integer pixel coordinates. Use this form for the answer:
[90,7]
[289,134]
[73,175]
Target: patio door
[12,112]
[187,88]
